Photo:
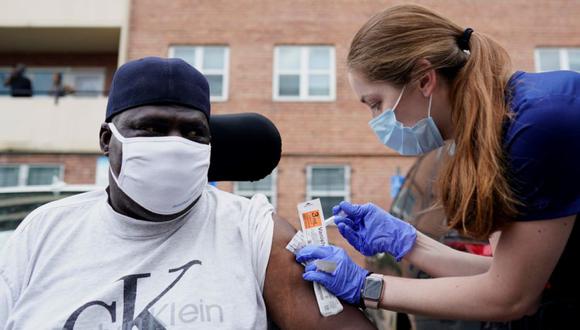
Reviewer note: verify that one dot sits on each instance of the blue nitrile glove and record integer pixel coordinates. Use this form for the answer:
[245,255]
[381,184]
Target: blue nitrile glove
[347,279]
[371,230]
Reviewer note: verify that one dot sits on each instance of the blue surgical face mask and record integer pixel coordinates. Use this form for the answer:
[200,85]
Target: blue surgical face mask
[419,139]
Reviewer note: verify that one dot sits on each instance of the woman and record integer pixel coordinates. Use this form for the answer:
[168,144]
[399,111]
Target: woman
[514,176]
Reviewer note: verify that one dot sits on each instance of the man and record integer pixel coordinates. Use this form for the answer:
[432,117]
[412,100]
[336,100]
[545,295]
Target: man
[160,248]
[20,85]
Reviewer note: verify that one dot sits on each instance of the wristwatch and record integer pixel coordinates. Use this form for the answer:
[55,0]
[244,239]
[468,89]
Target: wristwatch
[372,291]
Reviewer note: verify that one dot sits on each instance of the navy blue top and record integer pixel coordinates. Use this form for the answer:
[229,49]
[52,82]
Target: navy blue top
[542,142]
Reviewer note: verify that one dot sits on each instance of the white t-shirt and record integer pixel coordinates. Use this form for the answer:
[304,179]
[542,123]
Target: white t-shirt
[76,263]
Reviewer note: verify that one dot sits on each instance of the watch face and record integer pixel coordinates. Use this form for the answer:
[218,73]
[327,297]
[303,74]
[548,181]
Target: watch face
[373,288]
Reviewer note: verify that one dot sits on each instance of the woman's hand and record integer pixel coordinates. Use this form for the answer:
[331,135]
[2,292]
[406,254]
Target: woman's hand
[345,282]
[371,230]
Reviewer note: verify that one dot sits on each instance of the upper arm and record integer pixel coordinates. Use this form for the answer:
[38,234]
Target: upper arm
[527,252]
[290,299]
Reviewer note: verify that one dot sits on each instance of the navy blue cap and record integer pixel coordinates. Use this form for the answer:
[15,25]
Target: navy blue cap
[154,80]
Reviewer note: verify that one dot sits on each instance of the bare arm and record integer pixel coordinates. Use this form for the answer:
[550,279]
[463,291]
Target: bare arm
[437,259]
[525,256]
[290,299]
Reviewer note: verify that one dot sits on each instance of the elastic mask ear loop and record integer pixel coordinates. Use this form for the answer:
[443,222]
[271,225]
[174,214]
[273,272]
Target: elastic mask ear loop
[121,139]
[429,110]
[399,99]
[116,133]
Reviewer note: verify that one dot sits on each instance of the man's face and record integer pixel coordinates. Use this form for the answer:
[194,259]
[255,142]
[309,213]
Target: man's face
[149,121]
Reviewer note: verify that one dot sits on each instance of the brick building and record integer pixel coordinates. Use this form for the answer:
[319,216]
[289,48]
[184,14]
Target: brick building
[283,59]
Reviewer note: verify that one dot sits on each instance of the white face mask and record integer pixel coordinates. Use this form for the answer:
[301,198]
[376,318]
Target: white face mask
[162,174]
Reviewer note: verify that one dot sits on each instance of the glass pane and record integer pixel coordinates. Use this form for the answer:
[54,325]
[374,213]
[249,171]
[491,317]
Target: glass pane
[102,171]
[289,58]
[41,82]
[289,85]
[213,58]
[574,59]
[9,176]
[261,185]
[328,179]
[43,175]
[549,59]
[328,203]
[88,84]
[185,53]
[319,58]
[4,90]
[319,85]
[216,84]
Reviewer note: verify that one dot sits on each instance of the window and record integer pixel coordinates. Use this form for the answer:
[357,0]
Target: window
[266,186]
[30,175]
[549,59]
[304,73]
[4,90]
[212,61]
[329,183]
[84,81]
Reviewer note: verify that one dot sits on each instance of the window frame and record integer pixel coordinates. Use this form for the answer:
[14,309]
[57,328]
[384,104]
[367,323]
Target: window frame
[303,74]
[347,183]
[563,53]
[272,193]
[24,172]
[199,66]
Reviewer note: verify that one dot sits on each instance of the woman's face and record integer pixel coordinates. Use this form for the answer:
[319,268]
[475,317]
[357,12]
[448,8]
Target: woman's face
[378,96]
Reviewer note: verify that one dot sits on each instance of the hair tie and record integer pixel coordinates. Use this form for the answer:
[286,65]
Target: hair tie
[463,40]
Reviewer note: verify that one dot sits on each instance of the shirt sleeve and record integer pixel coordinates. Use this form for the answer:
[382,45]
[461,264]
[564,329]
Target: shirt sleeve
[543,147]
[261,231]
[15,266]
[5,301]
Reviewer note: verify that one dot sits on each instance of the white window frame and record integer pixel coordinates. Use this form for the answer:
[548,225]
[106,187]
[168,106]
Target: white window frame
[225,72]
[562,52]
[303,76]
[23,172]
[68,74]
[272,193]
[310,193]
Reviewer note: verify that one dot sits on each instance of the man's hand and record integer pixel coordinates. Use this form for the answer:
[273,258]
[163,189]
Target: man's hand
[290,299]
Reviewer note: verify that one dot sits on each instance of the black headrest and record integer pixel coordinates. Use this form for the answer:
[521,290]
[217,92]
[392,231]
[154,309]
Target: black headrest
[244,147]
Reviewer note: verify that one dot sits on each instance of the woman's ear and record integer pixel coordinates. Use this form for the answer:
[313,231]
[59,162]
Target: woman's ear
[105,138]
[428,81]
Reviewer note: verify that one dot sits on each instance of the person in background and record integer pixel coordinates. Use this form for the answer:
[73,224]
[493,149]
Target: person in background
[58,89]
[20,85]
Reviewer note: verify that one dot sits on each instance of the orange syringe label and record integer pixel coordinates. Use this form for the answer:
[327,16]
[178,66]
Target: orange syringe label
[312,219]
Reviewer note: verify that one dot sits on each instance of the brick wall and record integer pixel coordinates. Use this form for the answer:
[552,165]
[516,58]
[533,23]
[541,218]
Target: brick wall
[327,132]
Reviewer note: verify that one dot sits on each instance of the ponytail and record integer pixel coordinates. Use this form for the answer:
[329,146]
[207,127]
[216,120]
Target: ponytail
[473,185]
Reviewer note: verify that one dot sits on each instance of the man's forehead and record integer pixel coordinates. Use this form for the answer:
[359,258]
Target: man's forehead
[162,112]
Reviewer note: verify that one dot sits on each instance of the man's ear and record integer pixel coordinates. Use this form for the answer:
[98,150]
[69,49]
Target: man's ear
[105,138]
[428,81]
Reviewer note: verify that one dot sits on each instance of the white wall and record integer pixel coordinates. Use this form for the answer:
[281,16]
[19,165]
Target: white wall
[38,125]
[63,13]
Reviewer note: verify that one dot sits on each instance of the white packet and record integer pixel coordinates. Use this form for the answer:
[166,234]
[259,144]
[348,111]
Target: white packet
[314,231]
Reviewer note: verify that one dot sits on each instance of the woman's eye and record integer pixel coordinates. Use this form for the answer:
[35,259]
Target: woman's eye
[192,134]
